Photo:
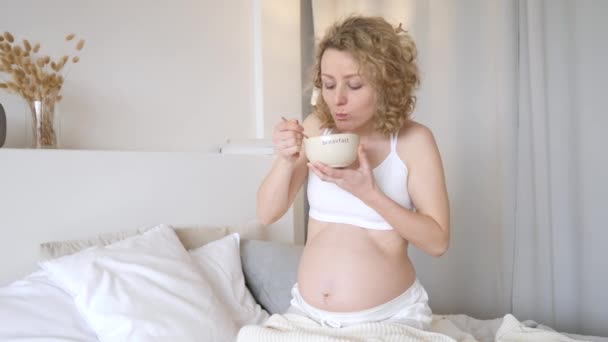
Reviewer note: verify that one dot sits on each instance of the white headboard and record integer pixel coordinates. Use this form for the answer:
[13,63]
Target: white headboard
[50,195]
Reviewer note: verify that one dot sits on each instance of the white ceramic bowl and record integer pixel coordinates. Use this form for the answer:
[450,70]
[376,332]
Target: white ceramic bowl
[335,150]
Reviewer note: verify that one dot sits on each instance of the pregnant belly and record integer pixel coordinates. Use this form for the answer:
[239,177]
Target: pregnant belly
[346,268]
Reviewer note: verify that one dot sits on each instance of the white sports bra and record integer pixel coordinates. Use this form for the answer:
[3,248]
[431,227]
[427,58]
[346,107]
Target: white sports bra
[330,203]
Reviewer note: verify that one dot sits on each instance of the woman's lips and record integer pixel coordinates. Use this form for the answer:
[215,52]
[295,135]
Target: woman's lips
[341,116]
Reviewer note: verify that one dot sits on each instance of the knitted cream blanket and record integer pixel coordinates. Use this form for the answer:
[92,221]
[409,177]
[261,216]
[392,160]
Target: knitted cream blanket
[296,328]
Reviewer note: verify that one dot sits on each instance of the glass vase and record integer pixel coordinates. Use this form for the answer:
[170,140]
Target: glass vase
[44,123]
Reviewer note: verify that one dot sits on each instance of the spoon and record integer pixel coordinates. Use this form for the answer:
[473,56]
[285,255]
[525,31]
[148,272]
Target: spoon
[283,118]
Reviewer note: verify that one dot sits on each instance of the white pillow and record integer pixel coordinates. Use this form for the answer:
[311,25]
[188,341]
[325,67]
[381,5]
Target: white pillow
[220,263]
[144,288]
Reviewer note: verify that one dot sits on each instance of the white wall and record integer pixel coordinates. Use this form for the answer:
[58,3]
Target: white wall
[164,75]
[281,61]
[85,193]
[182,75]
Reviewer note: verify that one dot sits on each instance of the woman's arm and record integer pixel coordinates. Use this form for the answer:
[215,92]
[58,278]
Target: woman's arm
[279,188]
[428,228]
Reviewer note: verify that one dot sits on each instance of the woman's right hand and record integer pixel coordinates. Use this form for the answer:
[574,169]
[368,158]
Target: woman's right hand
[287,139]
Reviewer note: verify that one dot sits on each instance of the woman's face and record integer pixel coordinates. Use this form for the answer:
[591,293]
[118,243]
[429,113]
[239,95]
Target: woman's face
[350,97]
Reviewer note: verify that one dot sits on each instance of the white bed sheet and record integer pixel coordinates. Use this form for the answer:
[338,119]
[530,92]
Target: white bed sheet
[34,309]
[485,330]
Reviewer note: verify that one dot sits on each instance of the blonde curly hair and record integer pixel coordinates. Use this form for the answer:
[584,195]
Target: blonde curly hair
[387,58]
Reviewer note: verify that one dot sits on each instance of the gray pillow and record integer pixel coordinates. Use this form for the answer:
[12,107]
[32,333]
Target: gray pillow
[270,270]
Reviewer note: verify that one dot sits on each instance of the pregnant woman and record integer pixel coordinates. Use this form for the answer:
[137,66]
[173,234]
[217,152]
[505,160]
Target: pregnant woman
[355,266]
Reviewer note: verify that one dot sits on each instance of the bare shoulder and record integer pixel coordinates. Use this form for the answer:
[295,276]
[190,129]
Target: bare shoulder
[312,125]
[416,139]
[413,132]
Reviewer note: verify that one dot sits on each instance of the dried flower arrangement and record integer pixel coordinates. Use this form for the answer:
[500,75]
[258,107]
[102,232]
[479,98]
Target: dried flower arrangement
[37,79]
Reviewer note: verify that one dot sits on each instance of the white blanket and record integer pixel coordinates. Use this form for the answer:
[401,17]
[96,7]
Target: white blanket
[296,328]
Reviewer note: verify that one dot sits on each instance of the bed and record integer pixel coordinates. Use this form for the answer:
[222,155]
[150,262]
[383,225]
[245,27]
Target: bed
[154,246]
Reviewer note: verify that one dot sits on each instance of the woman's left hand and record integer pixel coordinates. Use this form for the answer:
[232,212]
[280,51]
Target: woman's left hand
[358,180]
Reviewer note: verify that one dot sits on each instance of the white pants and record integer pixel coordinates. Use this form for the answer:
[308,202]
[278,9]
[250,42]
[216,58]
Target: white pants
[410,308]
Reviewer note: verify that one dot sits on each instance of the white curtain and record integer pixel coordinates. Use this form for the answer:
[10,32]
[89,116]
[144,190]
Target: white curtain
[560,218]
[511,90]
